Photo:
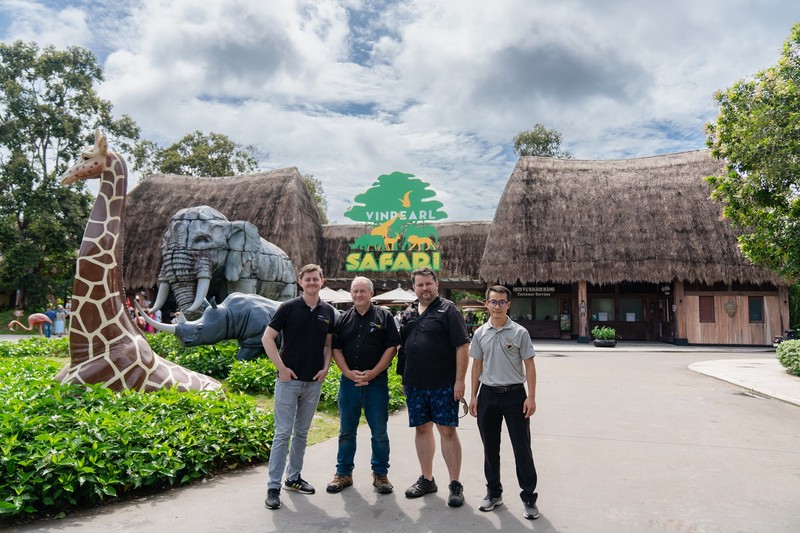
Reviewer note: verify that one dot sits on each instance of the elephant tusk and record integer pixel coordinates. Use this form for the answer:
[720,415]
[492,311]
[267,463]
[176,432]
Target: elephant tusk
[200,295]
[168,328]
[161,298]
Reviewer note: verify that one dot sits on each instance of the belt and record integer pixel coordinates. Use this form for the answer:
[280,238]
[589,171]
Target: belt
[503,388]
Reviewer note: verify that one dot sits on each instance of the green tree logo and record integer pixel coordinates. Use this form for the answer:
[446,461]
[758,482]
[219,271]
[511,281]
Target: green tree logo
[399,208]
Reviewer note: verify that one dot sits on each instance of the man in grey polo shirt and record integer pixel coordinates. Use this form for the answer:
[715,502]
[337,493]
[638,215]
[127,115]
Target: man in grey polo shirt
[502,363]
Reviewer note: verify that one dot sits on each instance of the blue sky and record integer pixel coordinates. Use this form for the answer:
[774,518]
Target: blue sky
[348,90]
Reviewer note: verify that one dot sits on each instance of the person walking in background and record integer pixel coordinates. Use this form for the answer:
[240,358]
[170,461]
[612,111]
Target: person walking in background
[307,325]
[364,343]
[51,314]
[502,363]
[61,320]
[433,361]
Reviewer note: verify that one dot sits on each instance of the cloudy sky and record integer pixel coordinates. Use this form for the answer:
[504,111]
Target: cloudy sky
[348,90]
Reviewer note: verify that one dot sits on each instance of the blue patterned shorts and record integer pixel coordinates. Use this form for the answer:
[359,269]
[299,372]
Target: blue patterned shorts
[436,405]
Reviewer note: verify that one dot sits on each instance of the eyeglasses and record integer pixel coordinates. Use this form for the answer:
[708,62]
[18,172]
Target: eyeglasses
[465,407]
[498,303]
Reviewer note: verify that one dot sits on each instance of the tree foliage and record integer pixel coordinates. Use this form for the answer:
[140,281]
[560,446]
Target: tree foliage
[48,111]
[197,154]
[757,135]
[541,142]
[318,194]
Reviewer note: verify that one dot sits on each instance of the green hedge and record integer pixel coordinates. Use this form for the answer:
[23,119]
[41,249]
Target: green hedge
[35,346]
[64,447]
[788,353]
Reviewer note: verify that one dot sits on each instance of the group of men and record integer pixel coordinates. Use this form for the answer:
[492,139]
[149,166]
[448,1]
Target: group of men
[433,350]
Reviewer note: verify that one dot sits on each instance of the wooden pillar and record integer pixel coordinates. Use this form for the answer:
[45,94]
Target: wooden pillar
[583,311]
[679,317]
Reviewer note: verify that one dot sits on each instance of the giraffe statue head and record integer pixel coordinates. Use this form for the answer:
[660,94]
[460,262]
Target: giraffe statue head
[92,161]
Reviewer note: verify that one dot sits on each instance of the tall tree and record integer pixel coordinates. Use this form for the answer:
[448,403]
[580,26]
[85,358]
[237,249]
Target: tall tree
[541,142]
[757,135]
[48,111]
[198,154]
[318,193]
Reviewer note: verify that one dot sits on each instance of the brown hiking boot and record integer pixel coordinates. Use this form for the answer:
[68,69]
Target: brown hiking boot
[381,483]
[339,483]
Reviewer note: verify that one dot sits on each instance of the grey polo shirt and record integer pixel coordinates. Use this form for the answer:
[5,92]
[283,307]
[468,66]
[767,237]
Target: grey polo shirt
[503,352]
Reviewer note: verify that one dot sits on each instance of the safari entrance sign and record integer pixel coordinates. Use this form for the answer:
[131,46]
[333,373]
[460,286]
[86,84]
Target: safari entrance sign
[400,208]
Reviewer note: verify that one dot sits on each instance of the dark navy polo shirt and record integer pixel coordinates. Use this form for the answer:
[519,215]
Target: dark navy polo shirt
[304,332]
[429,344]
[364,338]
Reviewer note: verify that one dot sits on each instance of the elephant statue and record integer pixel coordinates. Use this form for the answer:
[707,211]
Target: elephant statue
[204,255]
[243,317]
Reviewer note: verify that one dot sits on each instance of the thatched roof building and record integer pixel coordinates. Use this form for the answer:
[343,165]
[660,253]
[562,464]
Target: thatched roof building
[277,202]
[461,245]
[641,220]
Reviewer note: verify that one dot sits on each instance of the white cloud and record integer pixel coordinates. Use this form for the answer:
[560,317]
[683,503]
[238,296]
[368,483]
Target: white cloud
[351,89]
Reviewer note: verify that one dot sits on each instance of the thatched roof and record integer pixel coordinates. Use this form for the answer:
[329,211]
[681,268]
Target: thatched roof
[276,202]
[460,243]
[646,220]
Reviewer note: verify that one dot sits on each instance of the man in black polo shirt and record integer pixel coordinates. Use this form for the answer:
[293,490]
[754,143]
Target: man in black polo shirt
[433,359]
[305,356]
[364,343]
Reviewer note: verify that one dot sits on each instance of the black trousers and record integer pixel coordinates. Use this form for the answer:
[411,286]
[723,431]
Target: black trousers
[493,408]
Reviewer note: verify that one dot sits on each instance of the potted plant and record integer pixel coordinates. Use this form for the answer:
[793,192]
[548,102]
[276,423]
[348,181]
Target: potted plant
[604,336]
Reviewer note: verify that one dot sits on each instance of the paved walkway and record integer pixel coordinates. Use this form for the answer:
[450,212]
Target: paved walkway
[579,495]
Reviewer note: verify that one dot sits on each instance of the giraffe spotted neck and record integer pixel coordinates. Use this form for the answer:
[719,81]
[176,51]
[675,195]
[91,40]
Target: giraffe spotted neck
[105,346]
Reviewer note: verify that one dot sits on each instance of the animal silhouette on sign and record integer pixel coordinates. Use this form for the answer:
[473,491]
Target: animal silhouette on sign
[415,242]
[104,344]
[36,319]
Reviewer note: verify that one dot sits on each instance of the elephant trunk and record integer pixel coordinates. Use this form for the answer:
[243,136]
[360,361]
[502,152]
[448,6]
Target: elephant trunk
[190,277]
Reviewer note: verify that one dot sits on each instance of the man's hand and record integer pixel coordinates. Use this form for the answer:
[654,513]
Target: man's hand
[320,376]
[473,407]
[287,374]
[529,407]
[458,390]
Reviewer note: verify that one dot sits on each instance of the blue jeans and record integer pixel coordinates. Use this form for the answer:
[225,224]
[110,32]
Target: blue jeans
[374,398]
[295,405]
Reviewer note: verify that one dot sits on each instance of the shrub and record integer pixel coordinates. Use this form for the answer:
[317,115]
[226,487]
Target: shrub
[254,377]
[66,446]
[36,346]
[604,333]
[788,353]
[213,360]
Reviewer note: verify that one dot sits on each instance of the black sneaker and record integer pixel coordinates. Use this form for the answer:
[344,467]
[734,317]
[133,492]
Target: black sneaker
[299,485]
[273,500]
[456,498]
[421,487]
[531,511]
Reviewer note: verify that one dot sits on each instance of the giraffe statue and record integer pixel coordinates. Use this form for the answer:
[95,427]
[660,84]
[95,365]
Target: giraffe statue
[104,344]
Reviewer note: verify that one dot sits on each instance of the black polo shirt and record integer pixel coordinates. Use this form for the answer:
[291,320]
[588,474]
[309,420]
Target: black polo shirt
[364,338]
[429,344]
[304,332]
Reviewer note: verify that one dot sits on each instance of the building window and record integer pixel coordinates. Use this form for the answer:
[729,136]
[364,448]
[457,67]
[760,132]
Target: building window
[706,308]
[631,310]
[546,309]
[755,307]
[521,309]
[602,309]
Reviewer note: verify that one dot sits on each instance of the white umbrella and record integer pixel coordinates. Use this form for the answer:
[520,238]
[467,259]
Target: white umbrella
[344,296]
[329,295]
[395,295]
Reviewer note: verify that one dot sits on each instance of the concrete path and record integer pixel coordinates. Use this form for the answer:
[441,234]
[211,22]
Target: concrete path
[625,439]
